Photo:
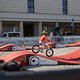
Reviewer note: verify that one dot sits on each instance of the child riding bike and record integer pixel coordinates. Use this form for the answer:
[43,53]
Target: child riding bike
[42,45]
[43,40]
[46,42]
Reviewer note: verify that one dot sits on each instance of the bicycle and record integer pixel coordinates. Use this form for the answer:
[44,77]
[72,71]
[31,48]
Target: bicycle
[49,50]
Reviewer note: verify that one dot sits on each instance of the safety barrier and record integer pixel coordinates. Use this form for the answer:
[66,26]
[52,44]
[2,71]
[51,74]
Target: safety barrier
[70,74]
[30,41]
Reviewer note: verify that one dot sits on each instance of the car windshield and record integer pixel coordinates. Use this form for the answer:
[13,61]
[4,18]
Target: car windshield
[4,35]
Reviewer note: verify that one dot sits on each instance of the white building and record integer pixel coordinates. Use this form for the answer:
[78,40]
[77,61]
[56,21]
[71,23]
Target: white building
[30,17]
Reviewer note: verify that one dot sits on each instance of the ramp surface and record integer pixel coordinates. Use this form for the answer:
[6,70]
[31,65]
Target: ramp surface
[74,44]
[7,47]
[72,57]
[14,55]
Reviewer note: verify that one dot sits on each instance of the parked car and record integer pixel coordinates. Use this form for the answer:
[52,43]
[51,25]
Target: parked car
[11,34]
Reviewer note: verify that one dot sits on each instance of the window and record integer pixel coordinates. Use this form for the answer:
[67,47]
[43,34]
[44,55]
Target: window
[30,6]
[65,7]
[14,35]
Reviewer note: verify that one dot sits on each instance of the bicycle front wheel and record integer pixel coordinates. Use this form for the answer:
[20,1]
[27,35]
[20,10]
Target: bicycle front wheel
[49,52]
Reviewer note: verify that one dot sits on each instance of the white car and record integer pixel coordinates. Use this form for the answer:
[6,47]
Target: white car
[11,34]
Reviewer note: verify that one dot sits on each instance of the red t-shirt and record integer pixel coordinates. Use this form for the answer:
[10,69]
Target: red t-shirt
[44,38]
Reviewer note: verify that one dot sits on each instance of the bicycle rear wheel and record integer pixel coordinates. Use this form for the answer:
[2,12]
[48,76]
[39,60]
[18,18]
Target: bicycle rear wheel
[35,48]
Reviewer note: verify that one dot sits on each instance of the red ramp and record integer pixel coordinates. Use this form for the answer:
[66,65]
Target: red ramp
[15,55]
[74,44]
[7,47]
[71,58]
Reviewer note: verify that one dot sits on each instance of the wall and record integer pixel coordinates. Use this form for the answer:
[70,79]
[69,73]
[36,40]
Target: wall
[16,10]
[41,6]
[74,7]
[48,6]
[13,5]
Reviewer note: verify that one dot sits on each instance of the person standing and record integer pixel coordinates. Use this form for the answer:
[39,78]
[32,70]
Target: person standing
[51,35]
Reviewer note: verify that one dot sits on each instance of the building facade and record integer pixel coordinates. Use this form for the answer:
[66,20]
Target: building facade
[31,17]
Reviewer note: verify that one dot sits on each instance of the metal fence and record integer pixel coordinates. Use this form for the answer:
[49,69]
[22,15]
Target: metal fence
[30,41]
